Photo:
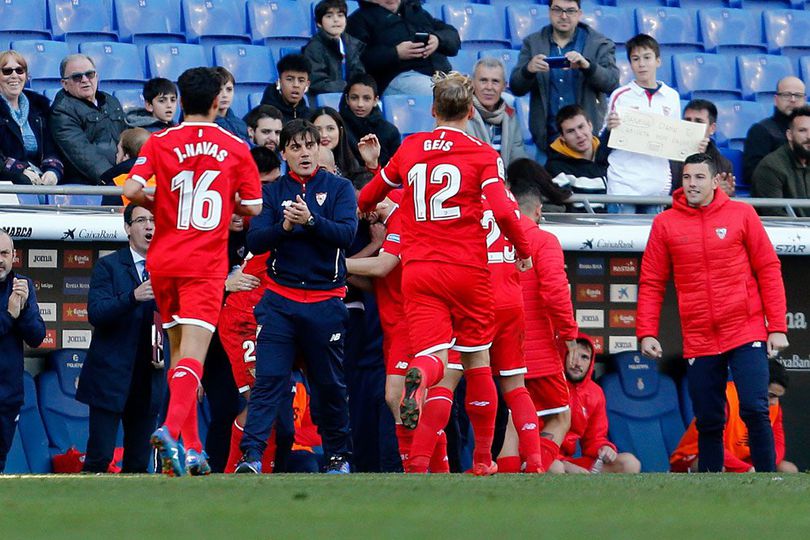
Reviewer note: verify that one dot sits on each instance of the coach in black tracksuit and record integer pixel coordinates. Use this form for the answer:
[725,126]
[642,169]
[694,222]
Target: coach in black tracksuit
[308,221]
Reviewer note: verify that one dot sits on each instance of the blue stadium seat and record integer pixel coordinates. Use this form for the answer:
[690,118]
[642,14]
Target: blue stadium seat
[464,61]
[50,93]
[734,31]
[29,450]
[215,22]
[524,19]
[787,32]
[804,68]
[632,4]
[617,23]
[65,419]
[411,114]
[251,65]
[239,105]
[734,118]
[674,28]
[625,72]
[759,74]
[255,99]
[480,26]
[130,99]
[707,76]
[508,58]
[643,411]
[169,60]
[74,21]
[760,6]
[522,111]
[22,19]
[329,99]
[434,9]
[118,64]
[153,21]
[74,200]
[735,156]
[283,22]
[43,59]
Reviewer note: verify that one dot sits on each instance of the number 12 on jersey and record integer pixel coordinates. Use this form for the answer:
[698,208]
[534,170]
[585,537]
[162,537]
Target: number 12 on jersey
[437,208]
[200,206]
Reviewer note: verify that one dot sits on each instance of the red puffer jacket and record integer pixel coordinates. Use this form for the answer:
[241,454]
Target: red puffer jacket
[546,302]
[726,274]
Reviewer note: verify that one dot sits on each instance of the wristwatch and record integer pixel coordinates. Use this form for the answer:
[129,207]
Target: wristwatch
[311,221]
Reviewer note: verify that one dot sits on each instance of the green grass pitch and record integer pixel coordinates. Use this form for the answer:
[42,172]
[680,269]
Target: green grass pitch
[650,506]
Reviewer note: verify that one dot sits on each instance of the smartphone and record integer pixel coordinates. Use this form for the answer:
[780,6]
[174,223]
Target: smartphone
[421,37]
[557,62]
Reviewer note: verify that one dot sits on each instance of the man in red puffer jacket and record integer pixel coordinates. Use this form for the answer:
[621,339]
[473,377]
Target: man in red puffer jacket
[731,301]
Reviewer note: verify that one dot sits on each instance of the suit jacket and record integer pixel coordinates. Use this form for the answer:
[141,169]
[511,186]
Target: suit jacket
[118,320]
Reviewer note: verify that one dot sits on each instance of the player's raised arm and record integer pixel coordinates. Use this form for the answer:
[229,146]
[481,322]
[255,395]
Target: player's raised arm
[385,179]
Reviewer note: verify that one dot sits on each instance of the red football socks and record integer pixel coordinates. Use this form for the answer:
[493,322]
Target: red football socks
[234,453]
[269,456]
[524,417]
[183,394]
[435,415]
[548,452]
[404,439]
[191,430]
[439,464]
[431,367]
[482,406]
[509,464]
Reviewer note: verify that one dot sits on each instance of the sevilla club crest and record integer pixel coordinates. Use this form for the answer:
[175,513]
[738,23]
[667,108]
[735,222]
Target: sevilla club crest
[320,198]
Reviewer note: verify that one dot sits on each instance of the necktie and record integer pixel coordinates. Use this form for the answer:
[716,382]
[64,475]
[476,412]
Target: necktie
[144,273]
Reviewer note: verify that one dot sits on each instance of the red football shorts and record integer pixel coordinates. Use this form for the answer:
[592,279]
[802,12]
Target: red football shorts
[506,353]
[447,306]
[187,300]
[237,332]
[549,394]
[396,349]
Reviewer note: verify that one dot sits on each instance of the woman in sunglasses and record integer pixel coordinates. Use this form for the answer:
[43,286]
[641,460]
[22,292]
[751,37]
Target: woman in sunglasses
[27,151]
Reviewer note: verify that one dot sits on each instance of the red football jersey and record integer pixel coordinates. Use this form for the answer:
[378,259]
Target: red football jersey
[389,288]
[198,167]
[255,265]
[506,288]
[444,173]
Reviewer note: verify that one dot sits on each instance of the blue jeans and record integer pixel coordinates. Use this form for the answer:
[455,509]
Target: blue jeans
[410,83]
[707,377]
[625,208]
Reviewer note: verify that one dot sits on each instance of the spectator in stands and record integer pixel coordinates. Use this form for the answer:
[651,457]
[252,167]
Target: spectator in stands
[20,322]
[264,125]
[631,173]
[333,54]
[736,452]
[702,111]
[494,122]
[27,151]
[577,159]
[362,116]
[784,173]
[590,76]
[398,55]
[122,379]
[129,146]
[85,122]
[160,106]
[589,421]
[333,137]
[769,134]
[287,95]
[731,301]
[225,116]
[528,170]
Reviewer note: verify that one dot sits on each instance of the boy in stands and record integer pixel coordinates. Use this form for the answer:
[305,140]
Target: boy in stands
[445,282]
[204,174]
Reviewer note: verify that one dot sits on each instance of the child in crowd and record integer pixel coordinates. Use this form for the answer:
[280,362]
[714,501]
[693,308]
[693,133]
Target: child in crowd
[361,114]
[630,173]
[333,54]
[160,106]
[225,116]
[287,95]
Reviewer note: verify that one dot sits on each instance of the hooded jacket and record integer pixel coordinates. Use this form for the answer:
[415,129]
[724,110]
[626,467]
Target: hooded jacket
[549,314]
[589,422]
[357,128]
[571,169]
[272,96]
[726,273]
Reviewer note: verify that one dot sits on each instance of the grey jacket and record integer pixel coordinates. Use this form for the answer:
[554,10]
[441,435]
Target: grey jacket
[780,176]
[596,84]
[511,137]
[86,135]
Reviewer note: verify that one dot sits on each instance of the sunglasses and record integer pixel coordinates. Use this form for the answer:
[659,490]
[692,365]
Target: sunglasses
[19,70]
[77,77]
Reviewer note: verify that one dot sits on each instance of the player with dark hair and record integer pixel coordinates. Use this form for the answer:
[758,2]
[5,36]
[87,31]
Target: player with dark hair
[203,175]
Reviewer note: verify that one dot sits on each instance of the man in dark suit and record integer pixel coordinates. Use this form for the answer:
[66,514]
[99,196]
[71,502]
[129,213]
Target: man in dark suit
[120,380]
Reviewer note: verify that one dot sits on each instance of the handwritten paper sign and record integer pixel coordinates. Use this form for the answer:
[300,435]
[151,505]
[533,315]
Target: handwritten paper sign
[656,135]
